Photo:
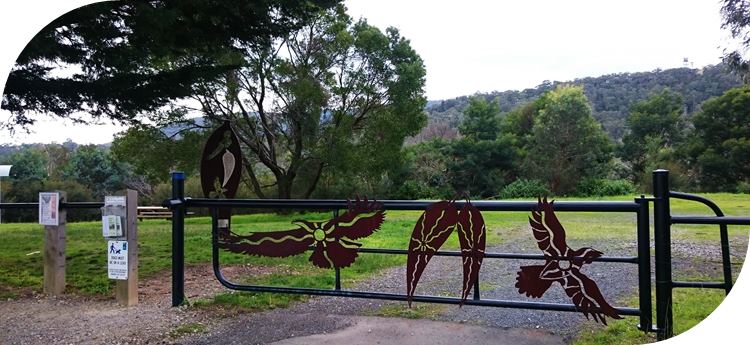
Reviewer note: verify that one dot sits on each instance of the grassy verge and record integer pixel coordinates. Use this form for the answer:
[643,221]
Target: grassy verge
[690,306]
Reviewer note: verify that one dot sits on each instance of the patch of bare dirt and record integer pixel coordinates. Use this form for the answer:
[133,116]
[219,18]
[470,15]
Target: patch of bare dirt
[200,282]
[72,319]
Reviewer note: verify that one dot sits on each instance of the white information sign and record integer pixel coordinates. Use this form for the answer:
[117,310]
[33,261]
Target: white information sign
[114,200]
[111,226]
[49,209]
[117,265]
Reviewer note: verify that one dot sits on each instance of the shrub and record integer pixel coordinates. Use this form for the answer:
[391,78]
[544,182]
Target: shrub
[414,190]
[743,187]
[524,189]
[602,187]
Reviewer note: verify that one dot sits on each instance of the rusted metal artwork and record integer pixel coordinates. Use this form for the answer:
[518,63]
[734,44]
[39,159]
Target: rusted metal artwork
[433,228]
[472,236]
[333,240]
[563,265]
[221,168]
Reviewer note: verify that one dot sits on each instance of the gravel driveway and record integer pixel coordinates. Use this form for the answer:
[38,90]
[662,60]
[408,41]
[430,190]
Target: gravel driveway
[442,277]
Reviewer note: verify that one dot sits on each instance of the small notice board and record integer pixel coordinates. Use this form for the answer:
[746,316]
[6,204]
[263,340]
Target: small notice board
[49,209]
[117,260]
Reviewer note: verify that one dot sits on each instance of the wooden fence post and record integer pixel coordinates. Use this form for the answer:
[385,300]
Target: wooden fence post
[54,253]
[127,290]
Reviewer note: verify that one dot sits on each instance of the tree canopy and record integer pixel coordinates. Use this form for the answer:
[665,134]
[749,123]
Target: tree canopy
[567,144]
[610,95]
[736,18]
[655,123]
[333,94]
[483,159]
[153,154]
[720,144]
[120,59]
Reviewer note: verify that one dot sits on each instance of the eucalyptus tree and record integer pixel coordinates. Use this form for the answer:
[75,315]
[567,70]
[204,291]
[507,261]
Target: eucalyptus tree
[335,95]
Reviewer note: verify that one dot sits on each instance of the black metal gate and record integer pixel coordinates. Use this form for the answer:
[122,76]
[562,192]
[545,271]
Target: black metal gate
[639,206]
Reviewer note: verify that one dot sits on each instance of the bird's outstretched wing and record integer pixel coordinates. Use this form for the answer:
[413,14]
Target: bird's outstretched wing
[361,219]
[432,229]
[274,243]
[548,232]
[472,236]
[587,297]
[528,281]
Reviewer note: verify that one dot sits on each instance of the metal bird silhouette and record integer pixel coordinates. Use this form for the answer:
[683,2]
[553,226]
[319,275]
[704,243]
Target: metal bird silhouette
[333,240]
[432,230]
[563,265]
[472,236]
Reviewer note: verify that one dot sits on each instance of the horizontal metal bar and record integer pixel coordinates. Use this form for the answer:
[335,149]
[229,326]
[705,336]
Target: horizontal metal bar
[625,259]
[703,285]
[710,220]
[426,299]
[35,205]
[80,205]
[19,206]
[417,205]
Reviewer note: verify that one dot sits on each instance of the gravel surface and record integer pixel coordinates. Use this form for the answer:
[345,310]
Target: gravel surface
[72,319]
[442,277]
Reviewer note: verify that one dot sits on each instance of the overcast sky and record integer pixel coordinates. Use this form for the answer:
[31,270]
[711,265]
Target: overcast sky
[470,45]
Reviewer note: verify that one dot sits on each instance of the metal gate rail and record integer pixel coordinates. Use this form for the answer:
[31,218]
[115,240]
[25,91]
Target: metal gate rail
[663,220]
[179,204]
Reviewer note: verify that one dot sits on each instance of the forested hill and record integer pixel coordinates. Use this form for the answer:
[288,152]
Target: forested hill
[610,95]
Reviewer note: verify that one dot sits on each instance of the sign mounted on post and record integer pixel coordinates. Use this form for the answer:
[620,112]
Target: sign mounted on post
[49,209]
[113,214]
[117,263]
[111,226]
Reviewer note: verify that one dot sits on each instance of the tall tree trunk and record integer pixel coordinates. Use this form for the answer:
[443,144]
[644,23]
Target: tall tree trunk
[284,184]
[314,183]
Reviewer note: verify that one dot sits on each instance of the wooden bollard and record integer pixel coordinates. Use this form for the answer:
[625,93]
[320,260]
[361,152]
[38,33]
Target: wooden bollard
[54,252]
[126,291]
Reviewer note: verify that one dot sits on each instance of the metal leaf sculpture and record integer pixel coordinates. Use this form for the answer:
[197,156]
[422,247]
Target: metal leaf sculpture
[333,240]
[563,265]
[221,168]
[472,236]
[431,231]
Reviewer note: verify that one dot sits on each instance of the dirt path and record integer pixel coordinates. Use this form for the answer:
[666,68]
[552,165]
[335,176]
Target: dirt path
[74,319]
[378,330]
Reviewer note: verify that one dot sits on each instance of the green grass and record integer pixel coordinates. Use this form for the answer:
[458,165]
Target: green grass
[689,307]
[188,328]
[21,258]
[418,311]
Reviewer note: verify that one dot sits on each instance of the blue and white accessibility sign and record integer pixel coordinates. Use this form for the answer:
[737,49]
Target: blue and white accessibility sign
[117,263]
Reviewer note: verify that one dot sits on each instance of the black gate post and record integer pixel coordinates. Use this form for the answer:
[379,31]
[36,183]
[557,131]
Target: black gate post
[178,239]
[663,254]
